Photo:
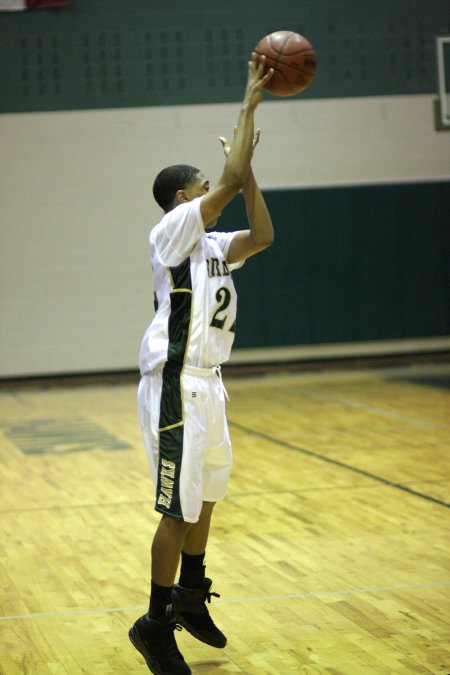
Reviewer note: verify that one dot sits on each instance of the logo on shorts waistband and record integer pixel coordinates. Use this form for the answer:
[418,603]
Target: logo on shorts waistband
[166,478]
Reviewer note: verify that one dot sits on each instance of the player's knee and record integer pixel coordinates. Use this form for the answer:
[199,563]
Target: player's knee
[175,526]
[207,507]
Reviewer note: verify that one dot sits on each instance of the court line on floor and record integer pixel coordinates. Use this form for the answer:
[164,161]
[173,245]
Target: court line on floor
[238,601]
[336,462]
[382,412]
[230,495]
[327,488]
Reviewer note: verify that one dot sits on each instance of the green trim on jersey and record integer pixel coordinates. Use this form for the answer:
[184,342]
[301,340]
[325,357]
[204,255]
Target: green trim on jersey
[180,312]
[181,275]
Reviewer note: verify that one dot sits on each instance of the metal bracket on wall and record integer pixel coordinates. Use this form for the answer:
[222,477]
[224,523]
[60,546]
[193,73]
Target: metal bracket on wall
[442,104]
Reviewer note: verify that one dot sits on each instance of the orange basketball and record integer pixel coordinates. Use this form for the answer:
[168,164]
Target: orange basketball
[293,59]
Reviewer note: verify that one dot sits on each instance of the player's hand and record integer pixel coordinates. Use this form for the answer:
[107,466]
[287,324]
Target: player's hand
[256,80]
[226,146]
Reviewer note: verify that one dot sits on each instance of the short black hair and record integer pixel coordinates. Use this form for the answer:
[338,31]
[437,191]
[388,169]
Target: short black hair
[169,181]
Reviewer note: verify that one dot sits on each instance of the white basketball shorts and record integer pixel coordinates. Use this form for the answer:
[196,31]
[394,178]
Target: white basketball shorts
[184,427]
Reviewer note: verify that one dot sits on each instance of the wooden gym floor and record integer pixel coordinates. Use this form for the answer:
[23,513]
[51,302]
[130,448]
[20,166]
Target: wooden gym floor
[331,552]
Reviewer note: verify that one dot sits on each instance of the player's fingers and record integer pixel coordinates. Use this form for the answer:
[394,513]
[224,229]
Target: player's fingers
[267,76]
[261,64]
[225,145]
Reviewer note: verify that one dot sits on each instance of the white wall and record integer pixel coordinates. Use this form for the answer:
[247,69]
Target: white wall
[76,205]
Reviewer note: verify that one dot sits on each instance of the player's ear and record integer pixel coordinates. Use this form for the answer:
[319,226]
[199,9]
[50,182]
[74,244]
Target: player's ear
[181,197]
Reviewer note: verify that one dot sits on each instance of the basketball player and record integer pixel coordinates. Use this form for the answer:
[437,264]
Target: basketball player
[181,394]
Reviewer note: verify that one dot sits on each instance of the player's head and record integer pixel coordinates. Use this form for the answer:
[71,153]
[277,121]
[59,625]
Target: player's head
[176,184]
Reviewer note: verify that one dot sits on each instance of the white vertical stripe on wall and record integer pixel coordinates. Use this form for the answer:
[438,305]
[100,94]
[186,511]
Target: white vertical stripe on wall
[76,205]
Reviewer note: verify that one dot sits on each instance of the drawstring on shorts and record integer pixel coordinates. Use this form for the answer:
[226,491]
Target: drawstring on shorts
[207,372]
[217,370]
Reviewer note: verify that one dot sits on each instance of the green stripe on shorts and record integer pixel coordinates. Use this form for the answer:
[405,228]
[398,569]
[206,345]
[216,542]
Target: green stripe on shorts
[171,430]
[171,423]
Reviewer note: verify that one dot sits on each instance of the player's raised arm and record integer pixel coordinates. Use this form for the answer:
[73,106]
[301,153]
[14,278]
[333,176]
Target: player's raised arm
[237,164]
[260,235]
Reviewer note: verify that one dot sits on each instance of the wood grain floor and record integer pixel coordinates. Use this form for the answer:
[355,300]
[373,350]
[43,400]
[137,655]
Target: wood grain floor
[331,551]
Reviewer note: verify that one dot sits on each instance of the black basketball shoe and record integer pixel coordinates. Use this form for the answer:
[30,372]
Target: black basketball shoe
[156,642]
[191,613]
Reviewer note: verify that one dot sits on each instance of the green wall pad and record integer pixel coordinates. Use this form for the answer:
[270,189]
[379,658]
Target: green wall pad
[348,264]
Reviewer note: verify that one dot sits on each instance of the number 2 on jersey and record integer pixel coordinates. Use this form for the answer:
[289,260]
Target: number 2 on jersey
[223,297]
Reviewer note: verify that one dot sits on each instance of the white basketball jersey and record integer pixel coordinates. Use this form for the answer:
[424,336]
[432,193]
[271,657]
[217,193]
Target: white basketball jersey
[195,298]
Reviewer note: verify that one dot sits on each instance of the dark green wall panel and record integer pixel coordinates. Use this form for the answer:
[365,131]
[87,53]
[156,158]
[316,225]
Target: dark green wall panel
[348,264]
[102,54]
